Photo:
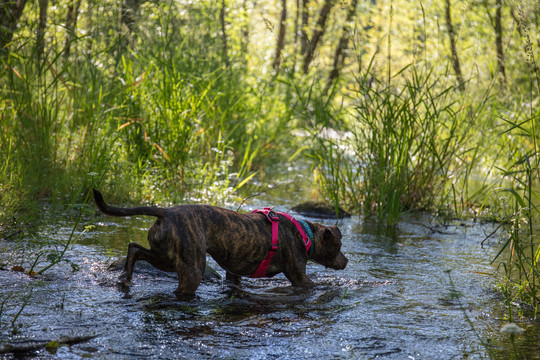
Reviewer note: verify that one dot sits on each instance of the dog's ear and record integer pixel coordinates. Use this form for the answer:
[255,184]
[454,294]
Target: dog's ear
[333,231]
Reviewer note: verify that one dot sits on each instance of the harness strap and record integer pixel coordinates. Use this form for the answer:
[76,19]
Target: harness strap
[308,243]
[274,219]
[302,227]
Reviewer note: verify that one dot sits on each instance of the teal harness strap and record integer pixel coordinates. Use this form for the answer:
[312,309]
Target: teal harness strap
[309,233]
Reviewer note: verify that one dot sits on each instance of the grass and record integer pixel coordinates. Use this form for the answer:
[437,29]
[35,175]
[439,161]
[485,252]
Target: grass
[150,123]
[401,144]
[521,268]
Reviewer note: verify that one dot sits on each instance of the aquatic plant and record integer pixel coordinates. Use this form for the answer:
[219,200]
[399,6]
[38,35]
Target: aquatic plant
[21,303]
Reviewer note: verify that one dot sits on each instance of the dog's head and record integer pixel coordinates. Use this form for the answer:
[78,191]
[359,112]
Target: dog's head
[328,247]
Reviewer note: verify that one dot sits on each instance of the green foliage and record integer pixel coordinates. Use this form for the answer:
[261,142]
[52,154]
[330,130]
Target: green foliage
[184,104]
[401,145]
[406,138]
[522,266]
[157,116]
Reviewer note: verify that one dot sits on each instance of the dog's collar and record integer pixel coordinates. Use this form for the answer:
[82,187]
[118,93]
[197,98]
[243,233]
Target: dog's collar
[309,233]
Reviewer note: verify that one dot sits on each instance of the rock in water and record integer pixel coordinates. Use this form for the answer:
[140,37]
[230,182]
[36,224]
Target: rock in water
[319,209]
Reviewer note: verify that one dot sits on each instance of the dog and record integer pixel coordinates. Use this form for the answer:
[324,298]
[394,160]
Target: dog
[240,243]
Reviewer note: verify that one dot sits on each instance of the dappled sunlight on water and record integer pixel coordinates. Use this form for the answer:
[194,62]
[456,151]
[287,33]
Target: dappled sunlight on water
[425,293]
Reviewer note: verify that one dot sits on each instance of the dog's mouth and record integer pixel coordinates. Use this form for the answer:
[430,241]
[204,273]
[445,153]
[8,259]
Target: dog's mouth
[340,267]
[342,263]
[339,264]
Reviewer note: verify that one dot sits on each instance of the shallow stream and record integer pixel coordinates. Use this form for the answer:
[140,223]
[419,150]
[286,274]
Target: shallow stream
[426,293]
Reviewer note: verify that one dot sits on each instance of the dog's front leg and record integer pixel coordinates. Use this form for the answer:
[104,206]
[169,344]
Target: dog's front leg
[235,279]
[300,280]
[296,273]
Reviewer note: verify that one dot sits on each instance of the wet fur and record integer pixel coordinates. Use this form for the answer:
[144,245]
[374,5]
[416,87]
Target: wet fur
[182,235]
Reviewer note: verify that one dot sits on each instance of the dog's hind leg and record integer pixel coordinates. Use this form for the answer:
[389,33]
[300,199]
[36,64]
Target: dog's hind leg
[189,279]
[137,252]
[190,265]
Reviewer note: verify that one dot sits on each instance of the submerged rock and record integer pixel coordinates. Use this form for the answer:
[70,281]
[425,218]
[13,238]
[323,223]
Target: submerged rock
[511,328]
[319,209]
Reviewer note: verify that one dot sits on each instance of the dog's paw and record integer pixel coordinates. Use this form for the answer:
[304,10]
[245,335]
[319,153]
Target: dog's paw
[180,296]
[124,281]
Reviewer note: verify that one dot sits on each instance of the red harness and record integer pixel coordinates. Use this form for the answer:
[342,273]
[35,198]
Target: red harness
[274,219]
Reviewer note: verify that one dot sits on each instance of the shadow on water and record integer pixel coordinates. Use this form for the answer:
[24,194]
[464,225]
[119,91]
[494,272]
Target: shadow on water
[427,292]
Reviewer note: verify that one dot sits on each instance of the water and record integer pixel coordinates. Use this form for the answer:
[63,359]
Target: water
[426,293]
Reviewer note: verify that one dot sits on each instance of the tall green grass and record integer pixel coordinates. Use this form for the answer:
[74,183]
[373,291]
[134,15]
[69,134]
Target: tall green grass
[519,256]
[159,118]
[402,144]
[519,219]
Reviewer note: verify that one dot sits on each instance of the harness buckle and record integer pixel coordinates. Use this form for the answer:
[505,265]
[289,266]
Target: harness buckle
[272,216]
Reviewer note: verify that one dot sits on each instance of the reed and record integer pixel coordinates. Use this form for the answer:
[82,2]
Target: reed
[521,267]
[399,146]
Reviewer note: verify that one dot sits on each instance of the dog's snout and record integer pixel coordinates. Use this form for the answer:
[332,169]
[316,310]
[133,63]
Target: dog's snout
[340,262]
[343,264]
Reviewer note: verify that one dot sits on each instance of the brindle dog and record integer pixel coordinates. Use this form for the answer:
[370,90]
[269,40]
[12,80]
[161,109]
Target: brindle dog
[182,235]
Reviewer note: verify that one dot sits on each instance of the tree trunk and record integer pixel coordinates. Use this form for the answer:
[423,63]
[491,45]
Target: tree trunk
[281,35]
[10,13]
[341,49]
[42,26]
[297,22]
[130,8]
[224,32]
[499,40]
[245,30]
[296,37]
[453,47]
[71,25]
[320,28]
[304,40]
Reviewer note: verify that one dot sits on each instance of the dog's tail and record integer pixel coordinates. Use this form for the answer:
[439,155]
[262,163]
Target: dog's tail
[117,211]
